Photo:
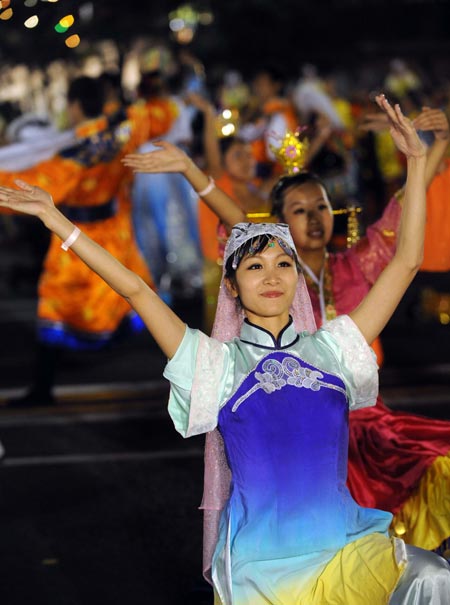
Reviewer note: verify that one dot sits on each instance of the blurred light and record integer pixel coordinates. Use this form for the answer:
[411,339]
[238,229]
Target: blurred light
[205,18]
[228,130]
[226,113]
[51,0]
[30,3]
[86,11]
[176,25]
[185,35]
[64,24]
[32,22]
[7,14]
[4,3]
[73,41]
[93,66]
[67,21]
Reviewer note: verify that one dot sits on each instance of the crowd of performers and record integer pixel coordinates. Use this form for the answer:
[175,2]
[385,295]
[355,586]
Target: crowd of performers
[131,175]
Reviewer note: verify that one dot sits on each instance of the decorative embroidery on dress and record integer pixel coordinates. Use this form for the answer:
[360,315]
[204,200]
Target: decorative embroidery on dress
[277,375]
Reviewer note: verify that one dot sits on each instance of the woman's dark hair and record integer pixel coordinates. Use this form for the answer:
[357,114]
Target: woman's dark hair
[225,143]
[275,72]
[287,182]
[152,84]
[89,93]
[112,80]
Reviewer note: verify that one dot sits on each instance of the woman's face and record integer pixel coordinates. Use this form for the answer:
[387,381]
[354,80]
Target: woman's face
[308,213]
[239,162]
[264,88]
[266,284]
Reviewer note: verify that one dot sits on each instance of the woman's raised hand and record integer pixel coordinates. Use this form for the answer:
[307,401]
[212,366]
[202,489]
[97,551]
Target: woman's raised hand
[199,102]
[167,158]
[433,120]
[402,130]
[28,199]
[374,122]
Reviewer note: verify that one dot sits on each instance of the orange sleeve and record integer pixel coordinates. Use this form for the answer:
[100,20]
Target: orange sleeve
[58,176]
[436,255]
[208,223]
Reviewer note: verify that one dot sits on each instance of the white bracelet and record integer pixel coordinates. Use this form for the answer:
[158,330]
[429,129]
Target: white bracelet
[71,239]
[208,188]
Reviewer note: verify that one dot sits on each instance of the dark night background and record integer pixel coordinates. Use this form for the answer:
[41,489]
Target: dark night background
[329,33]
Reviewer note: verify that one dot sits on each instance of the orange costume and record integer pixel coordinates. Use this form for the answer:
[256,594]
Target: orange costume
[155,117]
[437,230]
[76,308]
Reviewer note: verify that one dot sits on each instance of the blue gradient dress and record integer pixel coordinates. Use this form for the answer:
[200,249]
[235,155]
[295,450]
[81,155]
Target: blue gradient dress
[291,533]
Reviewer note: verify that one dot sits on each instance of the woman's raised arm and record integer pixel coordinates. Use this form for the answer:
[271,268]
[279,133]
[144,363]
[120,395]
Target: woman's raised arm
[169,158]
[165,326]
[377,307]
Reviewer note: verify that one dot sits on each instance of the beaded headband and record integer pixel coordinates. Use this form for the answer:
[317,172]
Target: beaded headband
[243,232]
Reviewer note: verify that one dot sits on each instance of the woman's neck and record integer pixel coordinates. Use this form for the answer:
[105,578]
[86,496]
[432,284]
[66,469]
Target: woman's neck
[314,259]
[274,325]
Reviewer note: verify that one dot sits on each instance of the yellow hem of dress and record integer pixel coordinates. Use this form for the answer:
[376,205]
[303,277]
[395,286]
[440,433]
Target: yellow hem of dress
[365,571]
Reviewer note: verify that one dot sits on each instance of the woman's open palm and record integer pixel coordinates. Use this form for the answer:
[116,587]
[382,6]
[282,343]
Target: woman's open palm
[168,158]
[402,130]
[28,199]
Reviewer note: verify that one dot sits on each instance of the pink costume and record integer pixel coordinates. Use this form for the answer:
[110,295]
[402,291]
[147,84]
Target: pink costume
[397,461]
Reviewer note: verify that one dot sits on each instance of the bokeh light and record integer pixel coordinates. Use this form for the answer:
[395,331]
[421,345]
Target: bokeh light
[176,24]
[63,24]
[228,130]
[7,14]
[206,18]
[185,35]
[67,21]
[31,22]
[73,41]
[30,3]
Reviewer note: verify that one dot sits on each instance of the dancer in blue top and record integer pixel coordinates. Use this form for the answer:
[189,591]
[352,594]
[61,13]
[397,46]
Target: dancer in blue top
[290,533]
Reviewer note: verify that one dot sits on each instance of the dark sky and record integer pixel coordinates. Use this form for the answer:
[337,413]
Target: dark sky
[246,33]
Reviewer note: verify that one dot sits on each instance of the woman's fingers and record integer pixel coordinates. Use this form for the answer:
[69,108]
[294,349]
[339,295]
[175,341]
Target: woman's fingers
[431,120]
[386,106]
[397,118]
[24,185]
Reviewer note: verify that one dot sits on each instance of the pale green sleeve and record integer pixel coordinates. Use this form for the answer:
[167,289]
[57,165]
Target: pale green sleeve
[357,361]
[197,377]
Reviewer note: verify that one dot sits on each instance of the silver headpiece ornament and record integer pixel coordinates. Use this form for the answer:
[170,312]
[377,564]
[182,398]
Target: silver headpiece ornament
[243,232]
